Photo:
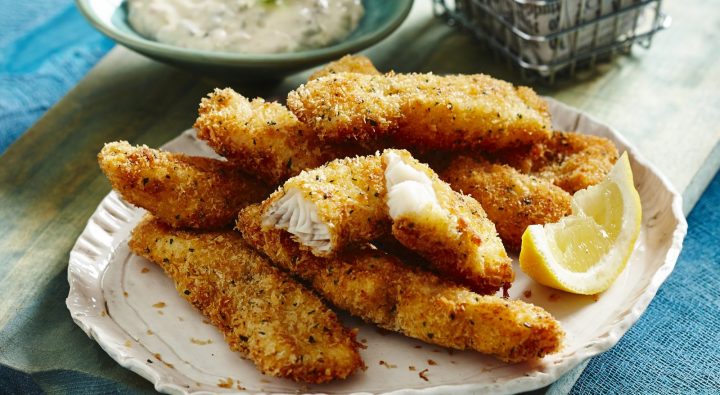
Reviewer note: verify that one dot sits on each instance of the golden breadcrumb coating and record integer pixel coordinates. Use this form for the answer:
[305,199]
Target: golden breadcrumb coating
[347,64]
[382,290]
[512,200]
[345,202]
[359,64]
[452,231]
[181,190]
[423,111]
[263,138]
[331,206]
[269,318]
[572,161]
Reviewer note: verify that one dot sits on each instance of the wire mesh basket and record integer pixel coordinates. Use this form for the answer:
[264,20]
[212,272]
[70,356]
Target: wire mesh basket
[547,38]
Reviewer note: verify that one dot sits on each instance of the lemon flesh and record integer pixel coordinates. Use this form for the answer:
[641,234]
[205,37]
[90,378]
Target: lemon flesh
[585,252]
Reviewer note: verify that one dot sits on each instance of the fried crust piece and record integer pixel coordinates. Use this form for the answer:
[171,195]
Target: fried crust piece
[422,111]
[349,201]
[360,64]
[181,190]
[269,318]
[263,138]
[332,206]
[512,200]
[570,160]
[382,290]
[449,229]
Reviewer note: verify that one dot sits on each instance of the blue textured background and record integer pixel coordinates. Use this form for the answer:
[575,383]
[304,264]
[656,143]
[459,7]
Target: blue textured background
[46,47]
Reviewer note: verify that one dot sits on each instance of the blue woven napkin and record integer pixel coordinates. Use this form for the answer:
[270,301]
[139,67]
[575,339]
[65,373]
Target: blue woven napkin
[46,47]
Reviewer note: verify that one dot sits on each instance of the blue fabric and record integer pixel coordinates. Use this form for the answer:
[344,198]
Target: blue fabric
[16,382]
[57,382]
[46,47]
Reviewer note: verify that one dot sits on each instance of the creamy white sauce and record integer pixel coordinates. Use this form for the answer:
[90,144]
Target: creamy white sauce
[255,26]
[408,190]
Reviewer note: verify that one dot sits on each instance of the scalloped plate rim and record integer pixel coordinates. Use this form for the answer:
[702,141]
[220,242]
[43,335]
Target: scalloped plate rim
[94,326]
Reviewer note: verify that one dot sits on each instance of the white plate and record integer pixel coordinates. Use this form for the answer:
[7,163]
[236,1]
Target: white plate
[112,294]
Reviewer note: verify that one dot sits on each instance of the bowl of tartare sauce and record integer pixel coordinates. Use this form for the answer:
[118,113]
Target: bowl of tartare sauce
[245,39]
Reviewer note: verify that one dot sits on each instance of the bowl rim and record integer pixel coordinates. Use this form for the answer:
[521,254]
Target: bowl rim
[144,45]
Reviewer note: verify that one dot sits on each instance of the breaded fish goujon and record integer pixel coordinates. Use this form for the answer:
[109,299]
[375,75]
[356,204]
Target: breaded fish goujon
[262,138]
[447,228]
[334,205]
[181,190]
[264,314]
[422,111]
[380,289]
[570,160]
[511,199]
[355,200]
[347,64]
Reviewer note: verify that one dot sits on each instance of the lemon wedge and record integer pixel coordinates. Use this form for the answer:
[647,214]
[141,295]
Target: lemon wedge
[585,252]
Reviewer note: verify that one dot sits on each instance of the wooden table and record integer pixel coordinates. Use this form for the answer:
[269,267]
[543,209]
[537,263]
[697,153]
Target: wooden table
[665,101]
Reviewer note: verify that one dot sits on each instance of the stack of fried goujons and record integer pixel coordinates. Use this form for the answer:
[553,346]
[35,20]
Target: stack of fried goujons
[393,197]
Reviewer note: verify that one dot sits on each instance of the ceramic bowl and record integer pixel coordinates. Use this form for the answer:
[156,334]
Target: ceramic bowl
[110,18]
